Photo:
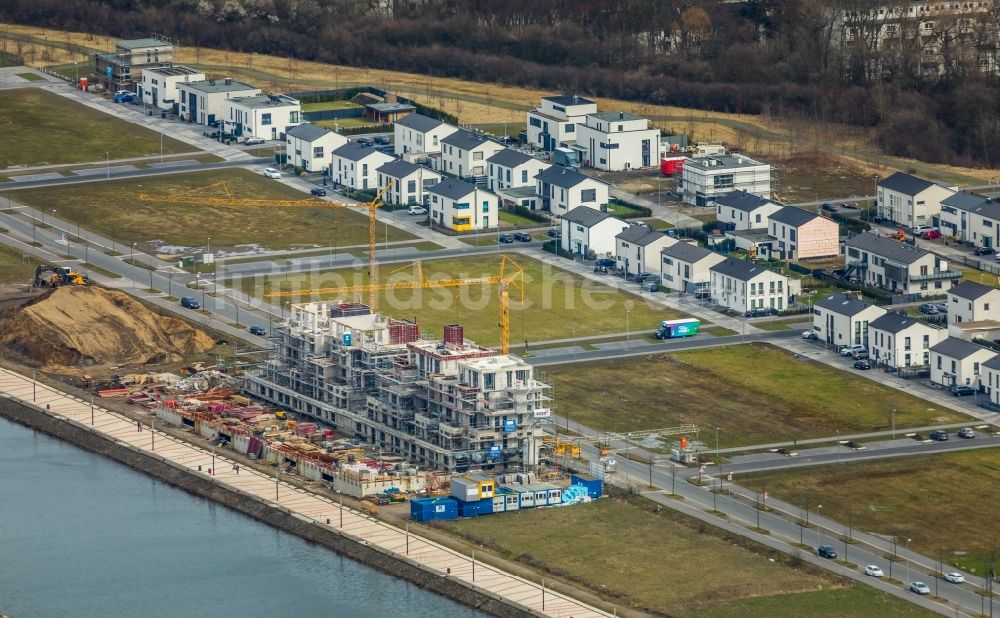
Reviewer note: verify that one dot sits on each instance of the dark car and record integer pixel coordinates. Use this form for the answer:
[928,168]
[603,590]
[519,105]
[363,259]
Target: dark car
[855,446]
[985,251]
[645,277]
[962,391]
[382,140]
[505,238]
[522,237]
[825,551]
[703,294]
[554,233]
[939,436]
[829,207]
[260,331]
[862,364]
[318,192]
[605,263]
[366,141]
[757,313]
[190,302]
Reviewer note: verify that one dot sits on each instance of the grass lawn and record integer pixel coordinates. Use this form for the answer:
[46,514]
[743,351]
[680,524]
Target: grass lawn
[513,218]
[320,106]
[974,274]
[44,128]
[31,77]
[554,300]
[856,601]
[345,123]
[780,397]
[112,209]
[719,331]
[659,224]
[620,209]
[660,562]
[935,500]
[14,269]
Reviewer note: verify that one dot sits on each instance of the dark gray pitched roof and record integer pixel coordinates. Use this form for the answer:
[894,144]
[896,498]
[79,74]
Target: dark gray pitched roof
[741,200]
[568,99]
[561,176]
[585,216]
[400,168]
[639,235]
[308,132]
[452,189]
[953,347]
[843,304]
[963,200]
[790,215]
[886,247]
[739,269]
[419,122]
[893,322]
[993,363]
[467,140]
[970,290]
[905,183]
[686,252]
[508,157]
[354,151]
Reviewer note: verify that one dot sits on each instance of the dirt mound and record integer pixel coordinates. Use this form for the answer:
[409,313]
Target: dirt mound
[72,327]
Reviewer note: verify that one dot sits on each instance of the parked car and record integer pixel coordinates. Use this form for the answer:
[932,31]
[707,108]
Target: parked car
[966,433]
[505,239]
[810,335]
[644,276]
[928,308]
[650,285]
[318,191]
[939,436]
[985,251]
[931,235]
[382,140]
[703,294]
[855,446]
[920,229]
[605,263]
[829,207]
[873,571]
[127,97]
[554,233]
[260,331]
[366,141]
[825,551]
[416,210]
[850,350]
[522,237]
[860,354]
[190,302]
[941,307]
[758,313]
[252,141]
[270,172]
[862,363]
[962,390]
[955,578]
[919,588]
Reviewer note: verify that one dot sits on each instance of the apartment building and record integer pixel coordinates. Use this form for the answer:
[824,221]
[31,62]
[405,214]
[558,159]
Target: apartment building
[957,362]
[410,182]
[513,169]
[841,320]
[562,189]
[417,134]
[739,210]
[686,267]
[801,235]
[554,122]
[910,201]
[203,102]
[354,166]
[898,341]
[970,301]
[310,147]
[637,249]
[463,207]
[897,267]
[464,154]
[615,141]
[704,180]
[159,87]
[269,117]
[746,286]
[122,69]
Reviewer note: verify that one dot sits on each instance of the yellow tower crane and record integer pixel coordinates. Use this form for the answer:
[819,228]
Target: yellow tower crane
[510,274]
[202,196]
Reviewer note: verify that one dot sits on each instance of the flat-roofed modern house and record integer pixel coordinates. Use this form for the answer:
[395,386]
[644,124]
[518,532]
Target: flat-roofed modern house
[204,101]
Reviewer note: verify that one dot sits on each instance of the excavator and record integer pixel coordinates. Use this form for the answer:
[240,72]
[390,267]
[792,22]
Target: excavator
[54,276]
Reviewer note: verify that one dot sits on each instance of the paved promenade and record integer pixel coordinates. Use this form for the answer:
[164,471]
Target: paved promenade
[320,510]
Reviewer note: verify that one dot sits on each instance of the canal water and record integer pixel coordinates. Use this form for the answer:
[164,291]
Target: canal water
[83,536]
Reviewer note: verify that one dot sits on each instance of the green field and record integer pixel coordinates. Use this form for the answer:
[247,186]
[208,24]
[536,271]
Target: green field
[31,77]
[344,123]
[14,269]
[857,601]
[555,300]
[112,209]
[660,562]
[41,128]
[938,501]
[320,106]
[621,209]
[754,393]
[514,218]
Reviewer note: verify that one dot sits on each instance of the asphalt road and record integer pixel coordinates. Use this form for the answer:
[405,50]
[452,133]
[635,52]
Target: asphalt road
[139,173]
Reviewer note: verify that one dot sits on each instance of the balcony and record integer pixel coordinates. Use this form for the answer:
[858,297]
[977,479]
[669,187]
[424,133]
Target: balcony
[936,276]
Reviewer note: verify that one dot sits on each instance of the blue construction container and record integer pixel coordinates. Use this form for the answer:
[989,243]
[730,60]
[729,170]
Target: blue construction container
[595,486]
[429,509]
[475,508]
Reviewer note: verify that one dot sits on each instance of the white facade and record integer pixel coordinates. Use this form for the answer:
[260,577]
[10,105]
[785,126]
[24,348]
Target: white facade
[593,231]
[563,189]
[355,166]
[311,148]
[419,134]
[464,153]
[910,201]
[744,211]
[956,362]
[897,267]
[509,169]
[268,117]
[705,179]
[555,121]
[614,141]
[906,344]
[687,268]
[973,302]
[409,182]
[637,249]
[159,85]
[742,286]
[463,207]
[840,320]
[204,102]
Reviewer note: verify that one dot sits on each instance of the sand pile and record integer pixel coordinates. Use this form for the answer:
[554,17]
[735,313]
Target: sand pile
[72,327]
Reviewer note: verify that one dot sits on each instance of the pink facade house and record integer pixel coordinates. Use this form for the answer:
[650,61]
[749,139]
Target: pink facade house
[801,235]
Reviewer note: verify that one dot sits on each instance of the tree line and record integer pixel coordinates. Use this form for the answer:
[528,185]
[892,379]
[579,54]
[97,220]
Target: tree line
[924,92]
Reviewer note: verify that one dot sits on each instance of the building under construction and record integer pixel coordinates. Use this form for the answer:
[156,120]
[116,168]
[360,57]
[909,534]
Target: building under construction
[448,404]
[122,69]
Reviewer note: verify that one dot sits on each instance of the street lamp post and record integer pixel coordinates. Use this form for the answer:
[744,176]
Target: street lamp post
[627,311]
[908,561]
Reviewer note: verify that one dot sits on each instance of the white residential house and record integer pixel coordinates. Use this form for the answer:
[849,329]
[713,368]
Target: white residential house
[704,180]
[525,197]
[637,249]
[354,166]
[510,169]
[801,235]
[897,267]
[203,102]
[614,141]
[746,286]
[410,182]
[908,200]
[968,217]
[686,267]
[897,340]
[554,122]
[991,369]
[159,85]
[416,134]
[840,320]
[586,231]
[739,210]
[311,147]
[973,302]
[957,362]
[462,206]
[464,153]
[269,117]
[562,189]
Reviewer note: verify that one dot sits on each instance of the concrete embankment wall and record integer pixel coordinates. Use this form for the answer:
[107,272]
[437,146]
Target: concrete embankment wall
[204,486]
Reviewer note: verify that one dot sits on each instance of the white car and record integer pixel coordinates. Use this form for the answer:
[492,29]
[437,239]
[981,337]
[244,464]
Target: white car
[955,578]
[254,141]
[920,229]
[417,210]
[810,334]
[270,172]
[873,571]
[920,588]
[851,350]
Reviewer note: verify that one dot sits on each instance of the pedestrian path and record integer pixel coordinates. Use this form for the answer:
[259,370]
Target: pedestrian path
[319,510]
